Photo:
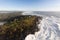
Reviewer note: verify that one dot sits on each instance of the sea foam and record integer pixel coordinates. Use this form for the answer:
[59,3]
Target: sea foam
[49,30]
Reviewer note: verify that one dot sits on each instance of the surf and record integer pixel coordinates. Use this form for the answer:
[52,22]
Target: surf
[49,30]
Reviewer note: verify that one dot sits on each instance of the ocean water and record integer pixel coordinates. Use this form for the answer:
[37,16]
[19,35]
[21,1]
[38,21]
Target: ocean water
[42,13]
[49,27]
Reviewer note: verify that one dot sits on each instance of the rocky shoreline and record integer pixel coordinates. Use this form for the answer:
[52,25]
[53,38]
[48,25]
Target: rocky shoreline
[17,28]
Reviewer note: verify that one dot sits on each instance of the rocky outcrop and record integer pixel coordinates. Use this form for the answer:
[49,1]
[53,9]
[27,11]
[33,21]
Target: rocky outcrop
[17,28]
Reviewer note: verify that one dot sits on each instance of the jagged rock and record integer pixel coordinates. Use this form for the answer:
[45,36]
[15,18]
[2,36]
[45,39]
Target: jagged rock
[17,28]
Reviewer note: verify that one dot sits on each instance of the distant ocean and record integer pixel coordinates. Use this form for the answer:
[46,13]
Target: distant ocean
[43,13]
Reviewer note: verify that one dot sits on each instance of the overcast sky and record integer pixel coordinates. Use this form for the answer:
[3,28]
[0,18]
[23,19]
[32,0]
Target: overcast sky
[30,5]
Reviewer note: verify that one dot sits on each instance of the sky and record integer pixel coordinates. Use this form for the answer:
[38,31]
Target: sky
[30,5]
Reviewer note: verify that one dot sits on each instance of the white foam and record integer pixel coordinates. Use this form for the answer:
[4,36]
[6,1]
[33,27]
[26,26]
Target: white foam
[49,30]
[30,37]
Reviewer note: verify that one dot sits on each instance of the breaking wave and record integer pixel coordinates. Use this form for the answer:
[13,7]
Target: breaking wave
[49,30]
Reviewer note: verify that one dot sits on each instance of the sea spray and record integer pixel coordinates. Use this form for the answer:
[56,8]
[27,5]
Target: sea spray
[49,30]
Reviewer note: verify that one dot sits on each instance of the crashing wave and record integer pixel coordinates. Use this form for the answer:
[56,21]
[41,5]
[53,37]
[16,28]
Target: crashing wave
[49,30]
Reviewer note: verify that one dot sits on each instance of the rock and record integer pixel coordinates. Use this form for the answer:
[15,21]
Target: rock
[17,28]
